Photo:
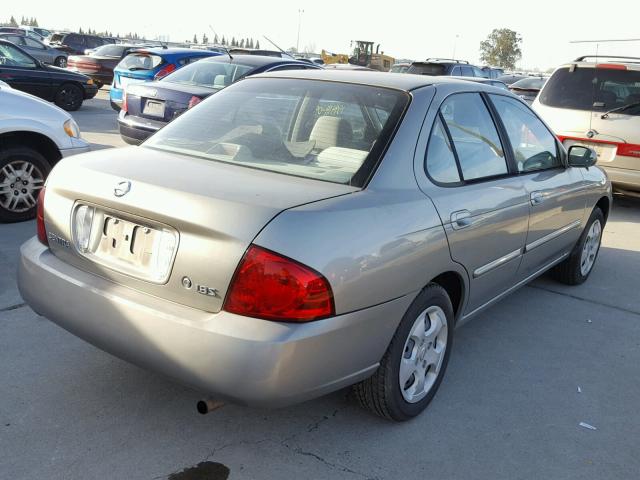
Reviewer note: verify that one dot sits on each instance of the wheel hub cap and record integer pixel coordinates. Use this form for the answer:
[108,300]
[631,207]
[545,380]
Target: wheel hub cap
[423,354]
[20,183]
[590,248]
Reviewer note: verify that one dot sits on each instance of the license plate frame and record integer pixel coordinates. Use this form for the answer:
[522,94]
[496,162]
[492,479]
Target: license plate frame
[153,108]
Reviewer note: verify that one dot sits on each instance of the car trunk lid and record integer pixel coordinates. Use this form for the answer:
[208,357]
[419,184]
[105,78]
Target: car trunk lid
[200,214]
[162,100]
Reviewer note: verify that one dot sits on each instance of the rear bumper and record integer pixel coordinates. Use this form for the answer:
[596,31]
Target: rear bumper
[137,129]
[241,359]
[623,178]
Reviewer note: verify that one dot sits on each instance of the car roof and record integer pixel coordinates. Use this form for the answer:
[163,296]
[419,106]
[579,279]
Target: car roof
[632,63]
[406,81]
[253,60]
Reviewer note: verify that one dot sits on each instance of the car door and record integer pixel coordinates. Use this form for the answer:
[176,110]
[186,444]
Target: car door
[483,206]
[23,73]
[556,192]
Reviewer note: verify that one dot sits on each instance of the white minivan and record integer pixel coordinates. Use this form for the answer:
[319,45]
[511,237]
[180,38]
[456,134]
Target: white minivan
[596,102]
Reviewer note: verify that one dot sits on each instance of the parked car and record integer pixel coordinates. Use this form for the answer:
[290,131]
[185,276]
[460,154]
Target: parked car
[150,64]
[511,78]
[317,60]
[400,67]
[596,102]
[22,31]
[149,106]
[493,73]
[230,244]
[445,66]
[43,32]
[34,136]
[485,81]
[23,72]
[37,49]
[99,65]
[76,43]
[528,88]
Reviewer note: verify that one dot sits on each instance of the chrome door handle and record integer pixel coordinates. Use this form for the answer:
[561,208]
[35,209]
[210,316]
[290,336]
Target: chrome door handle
[537,198]
[461,219]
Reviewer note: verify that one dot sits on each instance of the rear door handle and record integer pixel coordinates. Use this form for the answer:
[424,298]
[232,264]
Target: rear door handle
[461,219]
[537,198]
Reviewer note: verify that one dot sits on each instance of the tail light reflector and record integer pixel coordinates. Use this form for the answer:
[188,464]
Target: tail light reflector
[164,71]
[40,228]
[273,287]
[124,107]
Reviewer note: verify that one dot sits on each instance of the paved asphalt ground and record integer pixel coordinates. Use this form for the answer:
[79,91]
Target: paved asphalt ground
[509,408]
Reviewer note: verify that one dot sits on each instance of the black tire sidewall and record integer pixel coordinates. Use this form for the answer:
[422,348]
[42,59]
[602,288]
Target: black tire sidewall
[29,155]
[400,409]
[57,62]
[71,108]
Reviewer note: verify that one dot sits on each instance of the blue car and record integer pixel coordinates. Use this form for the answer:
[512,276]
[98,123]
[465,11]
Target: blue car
[150,106]
[150,64]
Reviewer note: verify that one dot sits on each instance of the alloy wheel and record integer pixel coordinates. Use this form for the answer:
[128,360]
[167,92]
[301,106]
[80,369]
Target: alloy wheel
[590,248]
[20,184]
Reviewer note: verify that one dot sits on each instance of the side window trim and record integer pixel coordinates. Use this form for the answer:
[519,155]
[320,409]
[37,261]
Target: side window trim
[453,146]
[507,141]
[502,133]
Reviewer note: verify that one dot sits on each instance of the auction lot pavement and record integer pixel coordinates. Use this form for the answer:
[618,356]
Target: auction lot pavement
[523,375]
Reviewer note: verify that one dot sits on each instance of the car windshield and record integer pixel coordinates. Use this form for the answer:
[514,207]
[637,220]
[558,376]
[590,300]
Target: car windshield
[598,89]
[11,56]
[140,61]
[209,74]
[529,83]
[110,51]
[322,130]
[427,69]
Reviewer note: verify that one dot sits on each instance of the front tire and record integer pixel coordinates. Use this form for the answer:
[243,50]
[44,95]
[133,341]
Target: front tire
[69,97]
[414,364]
[23,172]
[577,267]
[60,62]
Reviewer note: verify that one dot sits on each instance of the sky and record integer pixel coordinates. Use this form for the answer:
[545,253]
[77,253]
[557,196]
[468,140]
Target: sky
[404,29]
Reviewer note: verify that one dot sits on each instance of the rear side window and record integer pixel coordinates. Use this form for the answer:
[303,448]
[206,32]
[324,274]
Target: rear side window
[428,69]
[140,61]
[475,139]
[440,161]
[598,89]
[534,147]
[467,71]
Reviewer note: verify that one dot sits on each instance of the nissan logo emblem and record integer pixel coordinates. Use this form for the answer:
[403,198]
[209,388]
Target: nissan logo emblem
[122,188]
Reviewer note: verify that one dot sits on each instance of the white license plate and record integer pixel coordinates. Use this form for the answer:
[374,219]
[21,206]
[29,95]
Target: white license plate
[153,108]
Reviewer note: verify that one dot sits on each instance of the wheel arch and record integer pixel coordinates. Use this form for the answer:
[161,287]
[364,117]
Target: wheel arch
[604,204]
[454,284]
[39,142]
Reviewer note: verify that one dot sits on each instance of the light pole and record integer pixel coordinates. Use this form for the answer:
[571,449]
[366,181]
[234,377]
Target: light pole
[300,12]
[455,44]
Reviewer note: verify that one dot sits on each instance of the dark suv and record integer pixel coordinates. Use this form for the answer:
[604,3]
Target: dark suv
[77,43]
[446,66]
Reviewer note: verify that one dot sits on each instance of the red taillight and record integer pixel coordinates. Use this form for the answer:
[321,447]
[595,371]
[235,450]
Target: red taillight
[611,66]
[194,101]
[42,231]
[124,107]
[164,71]
[269,286]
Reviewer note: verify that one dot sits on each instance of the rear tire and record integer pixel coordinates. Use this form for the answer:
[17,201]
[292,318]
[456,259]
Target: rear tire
[414,364]
[577,267]
[22,170]
[69,97]
[60,62]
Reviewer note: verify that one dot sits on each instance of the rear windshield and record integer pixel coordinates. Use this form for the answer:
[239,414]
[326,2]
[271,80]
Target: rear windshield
[209,74]
[428,69]
[529,83]
[140,61]
[110,50]
[327,131]
[57,37]
[597,89]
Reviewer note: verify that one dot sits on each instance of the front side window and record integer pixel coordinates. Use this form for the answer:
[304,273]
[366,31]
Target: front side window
[307,128]
[534,147]
[11,56]
[475,138]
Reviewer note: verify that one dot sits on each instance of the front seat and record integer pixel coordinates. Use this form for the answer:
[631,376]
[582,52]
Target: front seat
[331,132]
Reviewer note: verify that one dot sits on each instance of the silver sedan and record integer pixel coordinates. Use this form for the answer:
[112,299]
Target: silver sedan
[38,49]
[304,231]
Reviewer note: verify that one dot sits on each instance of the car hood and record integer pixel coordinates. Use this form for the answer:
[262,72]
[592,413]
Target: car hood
[215,210]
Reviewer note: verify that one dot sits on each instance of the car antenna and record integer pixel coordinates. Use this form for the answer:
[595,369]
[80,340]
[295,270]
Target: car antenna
[274,44]
[223,46]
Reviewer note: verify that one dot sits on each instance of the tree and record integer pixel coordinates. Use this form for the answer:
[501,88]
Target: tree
[223,41]
[242,43]
[233,41]
[205,40]
[257,44]
[501,48]
[195,38]
[12,22]
[216,40]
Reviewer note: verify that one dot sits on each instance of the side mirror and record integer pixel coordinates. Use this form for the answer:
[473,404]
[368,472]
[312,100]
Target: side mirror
[582,157]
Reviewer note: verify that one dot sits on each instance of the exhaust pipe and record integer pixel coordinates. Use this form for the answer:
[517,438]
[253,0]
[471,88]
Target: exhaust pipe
[208,405]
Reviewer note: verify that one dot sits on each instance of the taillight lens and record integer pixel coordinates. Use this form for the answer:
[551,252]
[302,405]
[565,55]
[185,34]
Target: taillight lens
[124,107]
[164,71]
[269,286]
[194,101]
[42,231]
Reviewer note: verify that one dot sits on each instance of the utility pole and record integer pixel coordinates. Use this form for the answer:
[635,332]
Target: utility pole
[455,44]
[300,12]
